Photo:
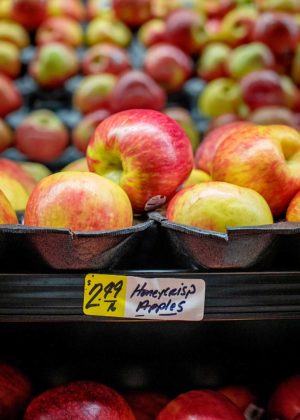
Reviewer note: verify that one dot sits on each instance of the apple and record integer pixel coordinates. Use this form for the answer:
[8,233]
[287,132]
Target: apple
[73,9]
[79,400]
[200,404]
[94,92]
[185,29]
[15,170]
[146,152]
[53,64]
[41,136]
[291,92]
[278,30]
[84,130]
[206,151]
[29,13]
[14,33]
[213,61]
[133,12]
[5,9]
[37,170]
[169,66]
[185,120]
[14,191]
[264,158]
[273,115]
[146,405]
[217,205]
[79,165]
[105,58]
[293,210]
[60,29]
[196,177]
[10,97]
[152,32]
[218,8]
[240,395]
[99,8]
[6,136]
[109,30]
[80,201]
[8,216]
[10,64]
[249,57]
[295,69]
[15,387]
[223,119]
[284,402]
[220,96]
[136,89]
[262,88]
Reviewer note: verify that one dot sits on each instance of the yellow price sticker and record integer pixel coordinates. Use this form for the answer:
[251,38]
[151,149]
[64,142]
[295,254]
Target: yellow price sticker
[105,295]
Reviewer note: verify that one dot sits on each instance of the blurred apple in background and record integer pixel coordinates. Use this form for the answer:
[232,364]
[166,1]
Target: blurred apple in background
[136,89]
[108,30]
[186,29]
[295,69]
[14,33]
[10,64]
[6,136]
[82,133]
[15,391]
[14,170]
[14,191]
[7,216]
[273,115]
[264,158]
[73,9]
[146,405]
[146,152]
[133,12]
[60,29]
[293,210]
[240,395]
[196,177]
[217,8]
[169,66]
[5,9]
[94,92]
[212,63]
[220,96]
[279,5]
[80,201]
[41,136]
[202,404]
[29,13]
[10,97]
[98,8]
[37,170]
[285,400]
[218,205]
[152,32]
[223,119]
[53,64]
[77,400]
[290,91]
[79,165]
[105,58]
[185,120]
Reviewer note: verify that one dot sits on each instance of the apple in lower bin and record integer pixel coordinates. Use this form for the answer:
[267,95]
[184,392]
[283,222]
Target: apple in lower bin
[29,13]
[146,404]
[7,216]
[152,32]
[105,58]
[79,165]
[37,170]
[60,29]
[240,395]
[136,89]
[223,119]
[14,191]
[84,130]
[53,64]
[284,402]
[79,400]
[80,201]
[200,404]
[146,152]
[15,392]
[293,210]
[15,170]
[109,30]
[217,205]
[133,12]
[73,9]
[6,136]
[10,64]
[41,136]
[10,97]
[13,32]
[264,158]
[212,63]
[94,92]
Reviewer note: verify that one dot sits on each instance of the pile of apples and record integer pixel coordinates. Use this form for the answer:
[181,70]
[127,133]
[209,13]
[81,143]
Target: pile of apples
[84,399]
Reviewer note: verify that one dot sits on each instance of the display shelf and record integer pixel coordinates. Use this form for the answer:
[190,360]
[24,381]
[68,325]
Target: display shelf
[228,295]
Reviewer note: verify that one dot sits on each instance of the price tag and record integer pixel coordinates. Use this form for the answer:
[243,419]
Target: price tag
[137,297]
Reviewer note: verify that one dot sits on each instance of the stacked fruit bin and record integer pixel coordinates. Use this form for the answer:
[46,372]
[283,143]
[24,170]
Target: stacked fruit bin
[66,67]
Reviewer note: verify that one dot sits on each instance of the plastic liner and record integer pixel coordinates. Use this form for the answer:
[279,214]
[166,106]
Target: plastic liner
[239,248]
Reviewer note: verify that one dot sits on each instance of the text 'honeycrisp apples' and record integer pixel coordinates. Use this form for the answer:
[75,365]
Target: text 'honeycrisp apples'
[145,152]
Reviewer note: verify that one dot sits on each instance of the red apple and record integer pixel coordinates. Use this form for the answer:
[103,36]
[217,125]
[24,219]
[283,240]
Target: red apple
[29,13]
[146,152]
[80,400]
[14,33]
[94,92]
[6,136]
[53,64]
[14,170]
[8,216]
[277,30]
[84,130]
[240,395]
[284,402]
[60,29]
[133,12]
[169,66]
[135,89]
[273,115]
[212,63]
[10,64]
[15,390]
[73,9]
[109,30]
[185,29]
[264,158]
[105,58]
[10,97]
[198,405]
[41,136]
[152,32]
[146,405]
[80,201]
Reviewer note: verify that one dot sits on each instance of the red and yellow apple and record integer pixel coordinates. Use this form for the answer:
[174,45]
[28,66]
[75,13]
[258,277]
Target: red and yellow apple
[15,170]
[7,216]
[152,32]
[109,30]
[60,29]
[14,191]
[5,9]
[73,9]
[98,8]
[10,97]
[146,152]
[133,12]
[79,165]
[105,58]
[13,32]
[213,60]
[6,136]
[37,170]
[29,13]
[10,63]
